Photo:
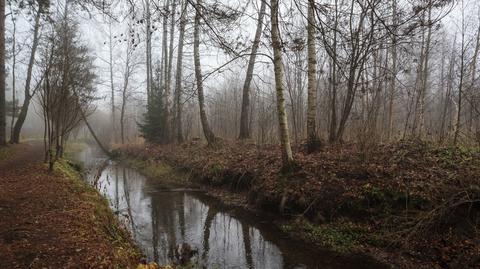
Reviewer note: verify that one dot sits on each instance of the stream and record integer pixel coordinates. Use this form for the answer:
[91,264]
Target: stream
[160,218]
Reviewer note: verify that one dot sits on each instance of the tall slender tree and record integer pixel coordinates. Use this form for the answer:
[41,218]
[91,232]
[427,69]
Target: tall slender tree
[27,93]
[287,155]
[178,75]
[245,131]
[3,112]
[312,135]
[207,130]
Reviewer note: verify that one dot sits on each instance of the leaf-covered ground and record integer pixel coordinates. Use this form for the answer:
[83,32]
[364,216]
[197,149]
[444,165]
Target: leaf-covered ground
[55,220]
[409,203]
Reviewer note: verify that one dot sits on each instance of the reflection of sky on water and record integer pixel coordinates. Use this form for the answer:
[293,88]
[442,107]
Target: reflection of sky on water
[160,219]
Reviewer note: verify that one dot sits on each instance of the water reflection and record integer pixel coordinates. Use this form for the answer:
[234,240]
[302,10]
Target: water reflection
[159,219]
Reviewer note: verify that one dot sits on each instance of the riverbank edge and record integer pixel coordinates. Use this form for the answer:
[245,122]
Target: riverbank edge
[126,252]
[292,227]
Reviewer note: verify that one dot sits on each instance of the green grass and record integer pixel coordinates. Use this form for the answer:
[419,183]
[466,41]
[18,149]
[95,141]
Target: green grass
[103,215]
[340,236]
[157,170]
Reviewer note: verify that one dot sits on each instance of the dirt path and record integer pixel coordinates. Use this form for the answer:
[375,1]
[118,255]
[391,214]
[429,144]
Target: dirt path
[52,221]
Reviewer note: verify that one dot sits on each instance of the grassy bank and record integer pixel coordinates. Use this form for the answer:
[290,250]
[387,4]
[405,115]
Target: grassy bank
[410,204]
[103,222]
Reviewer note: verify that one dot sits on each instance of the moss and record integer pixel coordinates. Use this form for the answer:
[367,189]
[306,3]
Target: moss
[340,236]
[157,170]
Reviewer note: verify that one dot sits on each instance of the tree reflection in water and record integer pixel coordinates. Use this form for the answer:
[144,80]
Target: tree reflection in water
[160,219]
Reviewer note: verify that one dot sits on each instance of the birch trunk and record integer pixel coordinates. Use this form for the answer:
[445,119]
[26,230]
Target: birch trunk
[312,136]
[3,119]
[168,87]
[166,78]
[14,67]
[287,156]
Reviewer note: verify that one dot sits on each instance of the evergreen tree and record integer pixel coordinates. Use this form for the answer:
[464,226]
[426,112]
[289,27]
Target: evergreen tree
[154,128]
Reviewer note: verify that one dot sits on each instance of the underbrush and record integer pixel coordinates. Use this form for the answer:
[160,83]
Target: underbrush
[404,196]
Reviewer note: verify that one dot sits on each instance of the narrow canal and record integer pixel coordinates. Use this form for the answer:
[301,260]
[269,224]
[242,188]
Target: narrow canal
[160,218]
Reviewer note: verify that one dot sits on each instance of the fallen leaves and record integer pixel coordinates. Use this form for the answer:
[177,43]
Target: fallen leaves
[52,224]
[339,181]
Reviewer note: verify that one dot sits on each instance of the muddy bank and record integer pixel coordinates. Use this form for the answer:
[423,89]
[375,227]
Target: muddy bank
[411,205]
[56,220]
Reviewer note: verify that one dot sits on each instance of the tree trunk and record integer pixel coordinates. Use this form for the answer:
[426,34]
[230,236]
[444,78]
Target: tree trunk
[333,81]
[445,110]
[245,132]
[122,111]
[166,79]
[473,74]
[419,123]
[168,113]
[112,87]
[148,51]
[393,75]
[287,156]
[460,84]
[26,103]
[3,114]
[14,67]
[178,78]
[207,131]
[92,132]
[312,136]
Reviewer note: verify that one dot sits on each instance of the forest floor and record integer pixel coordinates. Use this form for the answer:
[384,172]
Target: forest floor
[408,204]
[55,220]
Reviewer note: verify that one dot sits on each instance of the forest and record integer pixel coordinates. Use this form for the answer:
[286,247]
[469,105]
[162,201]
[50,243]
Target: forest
[239,134]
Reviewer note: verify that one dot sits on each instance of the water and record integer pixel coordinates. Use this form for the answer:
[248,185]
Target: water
[160,217]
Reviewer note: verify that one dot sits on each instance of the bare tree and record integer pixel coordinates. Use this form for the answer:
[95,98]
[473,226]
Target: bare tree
[312,135]
[287,156]
[207,131]
[14,67]
[27,94]
[130,67]
[112,85]
[3,115]
[68,87]
[148,49]
[178,75]
[245,131]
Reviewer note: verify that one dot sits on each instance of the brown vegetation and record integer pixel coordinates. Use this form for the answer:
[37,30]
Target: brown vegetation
[409,197]
[53,220]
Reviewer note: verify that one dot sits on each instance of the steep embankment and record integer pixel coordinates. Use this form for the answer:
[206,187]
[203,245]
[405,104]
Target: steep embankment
[55,220]
[409,204]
